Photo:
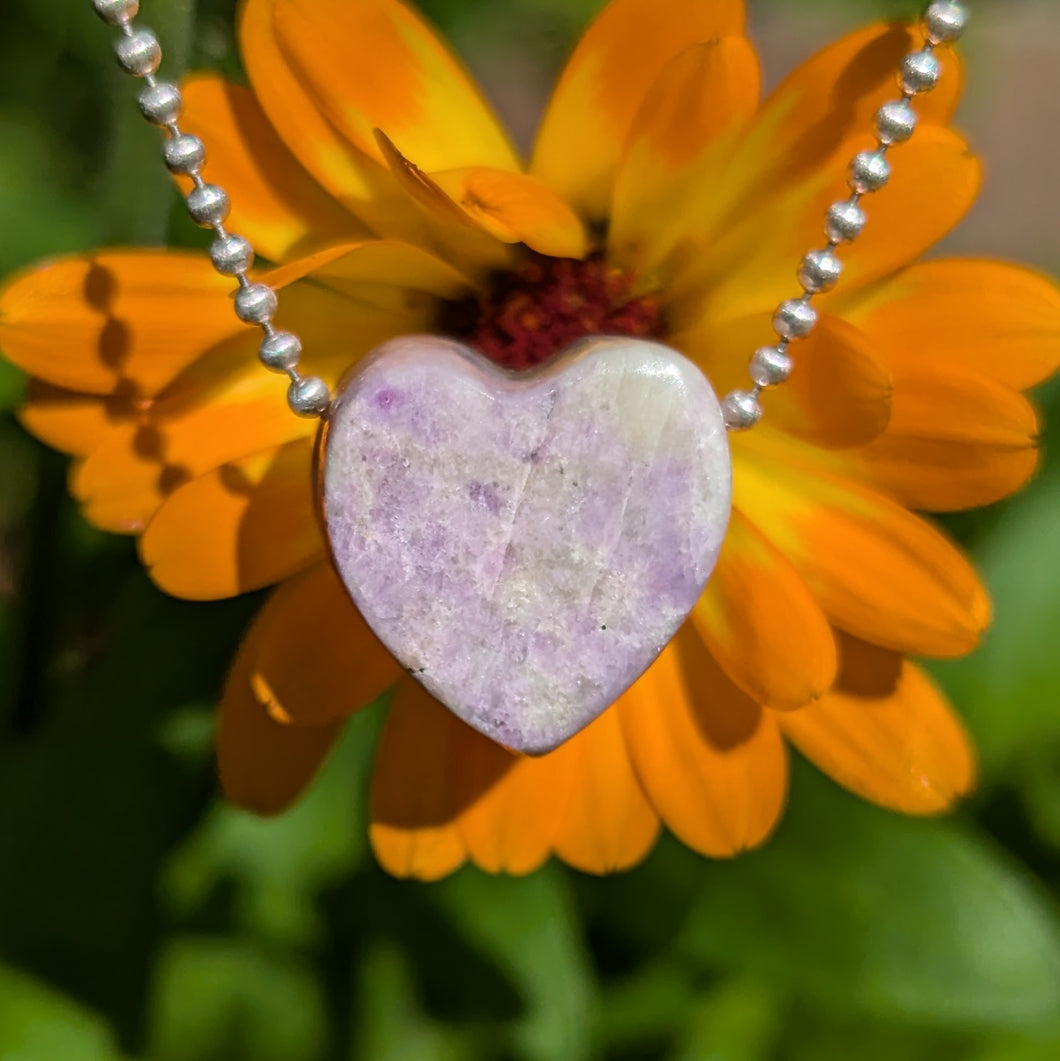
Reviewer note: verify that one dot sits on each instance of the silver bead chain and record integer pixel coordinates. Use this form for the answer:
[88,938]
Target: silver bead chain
[139,54]
[943,23]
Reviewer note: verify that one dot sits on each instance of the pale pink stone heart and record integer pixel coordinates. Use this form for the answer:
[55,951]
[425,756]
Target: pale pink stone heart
[526,545]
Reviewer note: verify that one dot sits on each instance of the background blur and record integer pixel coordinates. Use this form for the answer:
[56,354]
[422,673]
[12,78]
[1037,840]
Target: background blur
[142,918]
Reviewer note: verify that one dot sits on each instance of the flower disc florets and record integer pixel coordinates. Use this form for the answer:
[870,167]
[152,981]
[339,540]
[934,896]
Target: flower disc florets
[529,314]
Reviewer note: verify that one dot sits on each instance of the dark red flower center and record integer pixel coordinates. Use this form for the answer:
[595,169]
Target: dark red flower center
[527,315]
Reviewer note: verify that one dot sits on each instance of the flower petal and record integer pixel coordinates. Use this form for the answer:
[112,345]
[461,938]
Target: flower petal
[710,759]
[1001,320]
[221,410]
[836,93]
[224,407]
[957,440]
[887,734]
[459,235]
[389,274]
[353,177]
[264,765]
[516,208]
[415,804]
[762,624]
[315,659]
[239,527]
[611,70]
[681,139]
[609,824]
[276,204]
[515,804]
[753,255]
[375,65]
[114,318]
[839,393]
[73,422]
[877,570]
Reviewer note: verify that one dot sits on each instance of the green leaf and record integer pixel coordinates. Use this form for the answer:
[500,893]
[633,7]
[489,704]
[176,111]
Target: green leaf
[1020,1049]
[1009,689]
[226,999]
[645,1007]
[391,1024]
[39,1024]
[281,864]
[738,1021]
[526,926]
[870,912]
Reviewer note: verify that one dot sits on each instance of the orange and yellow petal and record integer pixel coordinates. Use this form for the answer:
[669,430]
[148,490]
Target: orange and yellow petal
[514,805]
[123,318]
[386,274]
[254,521]
[876,569]
[762,624]
[375,64]
[747,265]
[836,93]
[709,758]
[594,104]
[73,422]
[840,390]
[355,178]
[264,765]
[443,793]
[314,659]
[516,208]
[957,439]
[609,824]
[415,799]
[681,138]
[276,204]
[223,407]
[990,317]
[886,733]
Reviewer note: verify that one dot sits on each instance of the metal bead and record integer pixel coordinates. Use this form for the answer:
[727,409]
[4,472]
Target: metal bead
[869,172]
[770,365]
[820,271]
[231,255]
[794,319]
[895,122]
[139,53]
[208,205]
[161,103]
[256,304]
[741,410]
[309,396]
[919,72]
[184,153]
[116,12]
[280,351]
[944,21]
[845,222]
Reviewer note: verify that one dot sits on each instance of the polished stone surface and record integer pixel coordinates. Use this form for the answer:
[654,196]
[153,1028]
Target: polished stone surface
[526,546]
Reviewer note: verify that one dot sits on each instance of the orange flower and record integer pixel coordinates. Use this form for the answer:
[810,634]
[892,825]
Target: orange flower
[663,198]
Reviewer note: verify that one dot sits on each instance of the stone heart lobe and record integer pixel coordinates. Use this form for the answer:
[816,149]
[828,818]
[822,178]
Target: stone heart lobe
[526,546]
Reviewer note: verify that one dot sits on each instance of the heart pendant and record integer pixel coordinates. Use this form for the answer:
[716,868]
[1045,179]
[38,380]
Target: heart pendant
[525,546]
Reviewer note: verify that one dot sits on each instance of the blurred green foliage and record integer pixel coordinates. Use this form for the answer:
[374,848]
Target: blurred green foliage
[142,918]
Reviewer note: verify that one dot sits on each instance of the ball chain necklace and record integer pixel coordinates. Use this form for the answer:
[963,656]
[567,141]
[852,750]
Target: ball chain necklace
[526,545]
